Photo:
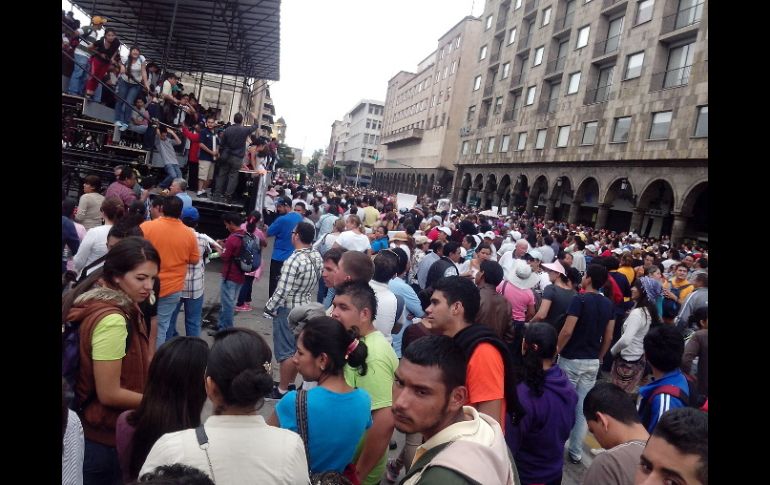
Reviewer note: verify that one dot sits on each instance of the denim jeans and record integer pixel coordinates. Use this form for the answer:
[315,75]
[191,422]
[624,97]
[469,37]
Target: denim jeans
[228,295]
[284,341]
[166,306]
[244,295]
[100,464]
[129,92]
[582,374]
[193,311]
[79,75]
[172,172]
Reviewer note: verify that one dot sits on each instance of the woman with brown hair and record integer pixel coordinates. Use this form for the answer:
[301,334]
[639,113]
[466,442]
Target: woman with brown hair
[94,245]
[90,203]
[114,349]
[353,239]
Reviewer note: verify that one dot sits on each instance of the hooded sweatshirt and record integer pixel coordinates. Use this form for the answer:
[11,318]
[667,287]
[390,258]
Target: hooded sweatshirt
[537,443]
[468,452]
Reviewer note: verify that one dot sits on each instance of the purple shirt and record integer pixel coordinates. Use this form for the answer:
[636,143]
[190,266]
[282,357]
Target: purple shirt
[116,189]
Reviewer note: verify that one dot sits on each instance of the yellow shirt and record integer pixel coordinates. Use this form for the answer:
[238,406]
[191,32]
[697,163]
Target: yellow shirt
[370,216]
[683,294]
[109,338]
[629,273]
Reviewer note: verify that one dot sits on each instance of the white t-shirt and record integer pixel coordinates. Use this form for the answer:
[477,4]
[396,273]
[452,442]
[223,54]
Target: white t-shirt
[354,242]
[136,71]
[92,247]
[387,305]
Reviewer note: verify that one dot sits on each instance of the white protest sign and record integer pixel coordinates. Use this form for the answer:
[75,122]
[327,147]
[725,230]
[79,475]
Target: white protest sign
[405,200]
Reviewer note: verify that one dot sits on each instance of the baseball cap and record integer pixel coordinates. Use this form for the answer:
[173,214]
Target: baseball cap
[535,254]
[591,248]
[191,213]
[445,230]
[282,201]
[489,234]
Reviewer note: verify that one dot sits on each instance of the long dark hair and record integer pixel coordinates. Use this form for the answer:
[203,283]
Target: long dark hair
[252,220]
[238,364]
[173,398]
[325,335]
[644,302]
[540,343]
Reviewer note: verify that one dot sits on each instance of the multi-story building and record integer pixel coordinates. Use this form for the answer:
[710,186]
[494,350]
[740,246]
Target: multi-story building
[591,111]
[424,113]
[230,95]
[356,139]
[280,130]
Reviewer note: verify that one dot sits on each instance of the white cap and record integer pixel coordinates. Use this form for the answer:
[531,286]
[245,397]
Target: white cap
[445,230]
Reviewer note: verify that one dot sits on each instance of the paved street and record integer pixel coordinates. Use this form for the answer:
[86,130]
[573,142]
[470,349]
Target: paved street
[573,474]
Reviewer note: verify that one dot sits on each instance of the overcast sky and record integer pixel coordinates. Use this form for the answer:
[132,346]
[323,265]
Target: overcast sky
[336,52]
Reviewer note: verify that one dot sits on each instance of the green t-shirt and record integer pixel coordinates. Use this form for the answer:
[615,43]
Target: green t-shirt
[109,338]
[381,362]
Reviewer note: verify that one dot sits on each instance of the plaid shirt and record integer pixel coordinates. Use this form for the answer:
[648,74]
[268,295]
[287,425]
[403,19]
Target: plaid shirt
[299,276]
[193,280]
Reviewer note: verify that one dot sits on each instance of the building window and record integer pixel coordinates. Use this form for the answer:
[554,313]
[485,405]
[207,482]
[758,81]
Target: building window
[498,105]
[702,123]
[644,11]
[433,101]
[574,83]
[491,144]
[477,83]
[483,53]
[538,56]
[440,95]
[517,5]
[679,66]
[446,71]
[489,23]
[531,95]
[563,137]
[368,123]
[546,17]
[465,148]
[582,39]
[438,77]
[540,139]
[661,123]
[363,152]
[504,143]
[634,65]
[512,36]
[589,132]
[522,141]
[457,42]
[622,127]
[471,112]
[506,70]
[454,67]
[478,145]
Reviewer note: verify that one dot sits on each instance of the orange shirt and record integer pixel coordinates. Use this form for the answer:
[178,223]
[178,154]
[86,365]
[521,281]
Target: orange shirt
[177,246]
[485,377]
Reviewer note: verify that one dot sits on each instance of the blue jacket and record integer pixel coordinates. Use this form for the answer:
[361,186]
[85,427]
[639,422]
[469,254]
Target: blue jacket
[537,443]
[662,402]
[282,228]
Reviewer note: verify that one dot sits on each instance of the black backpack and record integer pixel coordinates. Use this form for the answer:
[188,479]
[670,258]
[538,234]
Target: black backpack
[250,257]
[670,307]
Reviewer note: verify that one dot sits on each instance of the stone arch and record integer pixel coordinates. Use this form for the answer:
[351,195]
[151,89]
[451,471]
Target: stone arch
[538,196]
[585,204]
[503,194]
[617,207]
[489,190]
[465,186]
[691,195]
[476,187]
[695,206]
[520,192]
[655,204]
[560,199]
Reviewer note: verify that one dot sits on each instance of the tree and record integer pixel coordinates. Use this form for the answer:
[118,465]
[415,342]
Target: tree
[285,156]
[315,160]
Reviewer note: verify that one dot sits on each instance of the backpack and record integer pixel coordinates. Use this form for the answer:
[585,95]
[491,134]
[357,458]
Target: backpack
[670,307]
[70,363]
[692,398]
[250,257]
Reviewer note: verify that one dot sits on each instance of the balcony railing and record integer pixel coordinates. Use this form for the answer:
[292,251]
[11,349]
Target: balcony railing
[500,24]
[517,80]
[556,65]
[547,106]
[531,5]
[682,18]
[608,46]
[488,90]
[494,58]
[609,3]
[563,22]
[482,122]
[599,94]
[672,78]
[413,133]
[511,114]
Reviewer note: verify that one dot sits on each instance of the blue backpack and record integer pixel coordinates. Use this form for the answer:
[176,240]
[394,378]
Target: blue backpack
[250,257]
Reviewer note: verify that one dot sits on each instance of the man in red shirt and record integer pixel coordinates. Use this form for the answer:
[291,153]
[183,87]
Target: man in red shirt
[452,312]
[232,275]
[194,154]
[123,187]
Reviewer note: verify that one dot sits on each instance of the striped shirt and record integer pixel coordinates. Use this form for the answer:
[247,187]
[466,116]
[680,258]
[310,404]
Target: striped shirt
[193,280]
[299,275]
[72,451]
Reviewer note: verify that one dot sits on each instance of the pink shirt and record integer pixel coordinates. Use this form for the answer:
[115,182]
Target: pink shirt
[257,274]
[519,299]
